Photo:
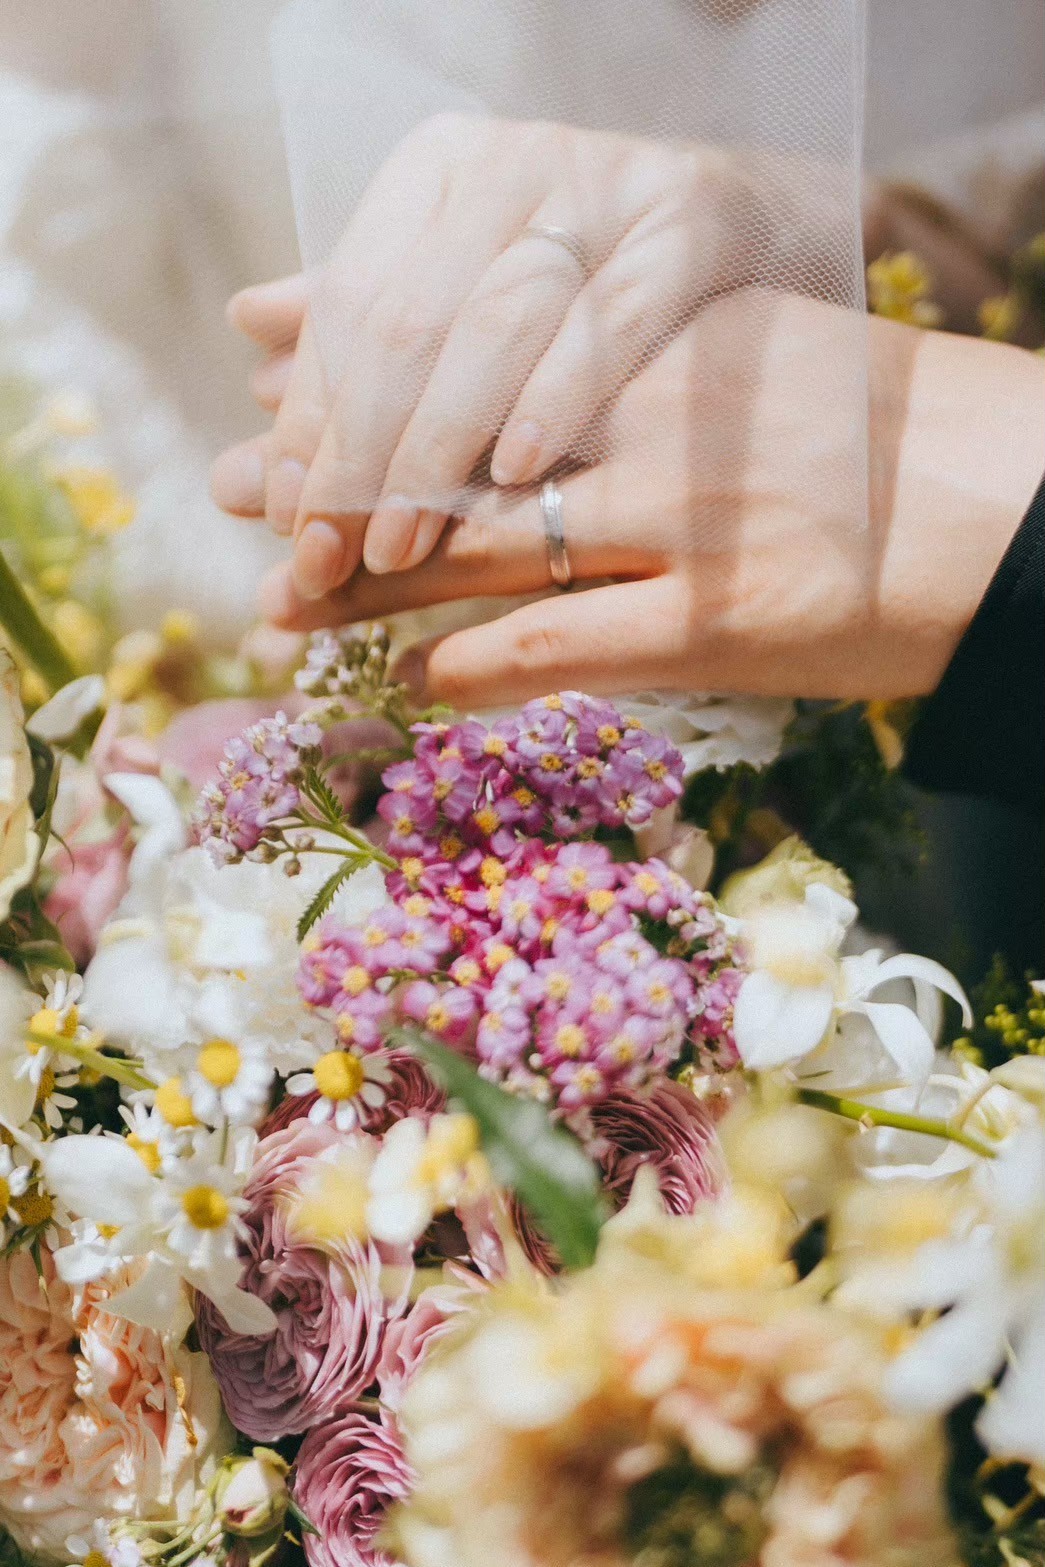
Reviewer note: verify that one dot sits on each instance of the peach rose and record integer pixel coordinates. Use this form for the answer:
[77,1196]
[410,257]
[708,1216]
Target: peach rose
[99,1419]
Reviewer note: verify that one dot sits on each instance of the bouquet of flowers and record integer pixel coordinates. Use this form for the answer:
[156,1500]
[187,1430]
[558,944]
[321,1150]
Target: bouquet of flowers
[406,1159]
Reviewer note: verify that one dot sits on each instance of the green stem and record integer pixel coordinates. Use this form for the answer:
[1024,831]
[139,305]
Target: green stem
[39,645]
[108,1066]
[339,830]
[872,1115]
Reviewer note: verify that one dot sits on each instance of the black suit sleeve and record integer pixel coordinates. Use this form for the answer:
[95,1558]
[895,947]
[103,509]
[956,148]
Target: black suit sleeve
[983,731]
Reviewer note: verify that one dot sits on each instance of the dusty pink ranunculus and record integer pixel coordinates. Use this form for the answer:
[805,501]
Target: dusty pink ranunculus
[347,1476]
[98,1418]
[408,1341]
[91,883]
[409,1091]
[194,741]
[666,1128]
[331,1309]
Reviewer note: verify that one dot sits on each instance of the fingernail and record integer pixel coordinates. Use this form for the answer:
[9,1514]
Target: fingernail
[282,493]
[516,453]
[276,597]
[237,481]
[319,559]
[389,535]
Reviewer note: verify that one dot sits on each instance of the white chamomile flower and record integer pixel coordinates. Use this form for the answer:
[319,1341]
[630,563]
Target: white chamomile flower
[229,1082]
[99,1549]
[421,1171]
[153,1138]
[92,1251]
[14,1180]
[344,1082]
[200,1203]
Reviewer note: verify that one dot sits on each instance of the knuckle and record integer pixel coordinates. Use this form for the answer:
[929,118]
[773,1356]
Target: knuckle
[540,644]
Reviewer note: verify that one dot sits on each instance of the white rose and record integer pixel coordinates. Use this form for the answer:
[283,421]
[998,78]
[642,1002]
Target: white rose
[19,845]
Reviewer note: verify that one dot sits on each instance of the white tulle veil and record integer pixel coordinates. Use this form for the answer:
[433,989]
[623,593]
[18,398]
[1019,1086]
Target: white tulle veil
[775,87]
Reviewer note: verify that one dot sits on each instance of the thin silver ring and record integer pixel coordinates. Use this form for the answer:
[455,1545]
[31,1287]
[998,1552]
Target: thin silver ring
[570,242]
[554,534]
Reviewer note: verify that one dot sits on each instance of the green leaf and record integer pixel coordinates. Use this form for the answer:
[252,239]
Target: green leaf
[41,647]
[323,797]
[327,893]
[542,1163]
[302,1520]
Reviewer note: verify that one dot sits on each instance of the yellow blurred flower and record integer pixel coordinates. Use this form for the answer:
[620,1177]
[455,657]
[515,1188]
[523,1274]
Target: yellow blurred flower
[630,1414]
[898,287]
[782,876]
[1000,317]
[101,507]
[80,632]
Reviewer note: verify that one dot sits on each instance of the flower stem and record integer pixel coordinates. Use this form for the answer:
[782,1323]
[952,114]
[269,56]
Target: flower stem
[108,1066]
[873,1115]
[19,617]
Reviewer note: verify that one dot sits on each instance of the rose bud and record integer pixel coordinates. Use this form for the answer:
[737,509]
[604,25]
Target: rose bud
[251,1495]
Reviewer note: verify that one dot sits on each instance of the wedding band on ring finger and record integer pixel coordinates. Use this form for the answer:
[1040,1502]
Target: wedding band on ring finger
[554,534]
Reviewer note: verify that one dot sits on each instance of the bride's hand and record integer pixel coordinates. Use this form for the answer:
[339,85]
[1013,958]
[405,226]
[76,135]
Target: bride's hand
[735,524]
[464,332]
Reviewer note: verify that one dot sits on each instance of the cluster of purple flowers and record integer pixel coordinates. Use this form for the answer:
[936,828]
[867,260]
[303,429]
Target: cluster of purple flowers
[562,768]
[568,975]
[257,787]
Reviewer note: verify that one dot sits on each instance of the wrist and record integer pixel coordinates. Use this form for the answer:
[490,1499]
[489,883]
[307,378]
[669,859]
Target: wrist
[957,452]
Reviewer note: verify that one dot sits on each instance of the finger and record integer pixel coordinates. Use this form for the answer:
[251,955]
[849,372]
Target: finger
[641,296]
[499,549]
[501,331]
[237,479]
[297,432]
[630,635]
[270,381]
[271,313]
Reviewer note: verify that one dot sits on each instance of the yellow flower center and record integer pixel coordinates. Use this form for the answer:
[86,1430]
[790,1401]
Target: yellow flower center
[608,736]
[601,900]
[657,771]
[52,1024]
[487,820]
[577,878]
[95,1559]
[206,1207]
[552,762]
[451,847]
[557,986]
[219,1062]
[570,1039]
[355,980]
[495,745]
[108,1232]
[497,957]
[47,1085]
[339,1075]
[467,972]
[523,796]
[492,872]
[554,702]
[148,1152]
[589,767]
[413,868]
[174,1105]
[438,1018]
[5,1195]
[417,906]
[34,1209]
[647,883]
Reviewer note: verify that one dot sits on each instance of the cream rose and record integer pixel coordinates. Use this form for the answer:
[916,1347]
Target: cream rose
[99,1418]
[19,845]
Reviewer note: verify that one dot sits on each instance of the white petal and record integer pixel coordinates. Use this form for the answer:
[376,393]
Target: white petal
[157,1299]
[958,1354]
[903,1036]
[98,1178]
[1011,1425]
[398,1217]
[243,1312]
[774,1023]
[906,965]
[65,712]
[17,1093]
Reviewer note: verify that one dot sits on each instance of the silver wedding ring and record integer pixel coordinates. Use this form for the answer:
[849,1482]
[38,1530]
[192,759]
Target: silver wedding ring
[570,242]
[554,534]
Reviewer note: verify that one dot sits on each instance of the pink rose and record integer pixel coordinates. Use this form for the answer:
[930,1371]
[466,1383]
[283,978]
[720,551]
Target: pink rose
[98,1418]
[408,1341]
[89,889]
[194,741]
[347,1476]
[331,1309]
[410,1091]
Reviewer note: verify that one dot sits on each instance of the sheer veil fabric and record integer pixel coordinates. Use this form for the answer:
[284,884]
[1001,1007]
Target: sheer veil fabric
[711,144]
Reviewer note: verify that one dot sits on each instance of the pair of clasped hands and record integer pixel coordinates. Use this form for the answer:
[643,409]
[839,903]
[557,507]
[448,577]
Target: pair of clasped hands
[718,511]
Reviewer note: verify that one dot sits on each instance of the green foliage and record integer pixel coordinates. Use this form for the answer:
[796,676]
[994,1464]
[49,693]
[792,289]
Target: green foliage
[1009,1018]
[541,1162]
[327,893]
